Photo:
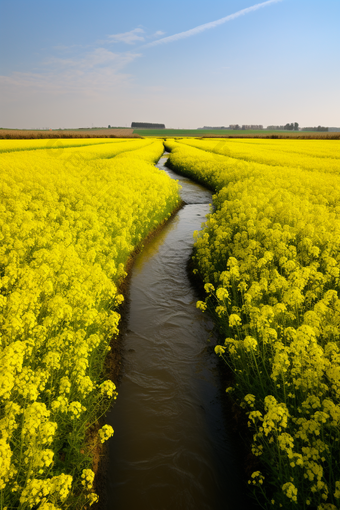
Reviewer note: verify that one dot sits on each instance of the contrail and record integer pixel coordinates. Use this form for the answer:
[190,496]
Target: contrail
[207,26]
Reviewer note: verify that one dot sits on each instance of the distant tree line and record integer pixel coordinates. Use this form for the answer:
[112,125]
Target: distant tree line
[319,128]
[235,126]
[293,126]
[213,127]
[252,126]
[147,125]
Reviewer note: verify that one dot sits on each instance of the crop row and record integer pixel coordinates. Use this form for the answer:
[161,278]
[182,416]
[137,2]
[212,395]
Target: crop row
[47,144]
[69,220]
[323,156]
[269,257]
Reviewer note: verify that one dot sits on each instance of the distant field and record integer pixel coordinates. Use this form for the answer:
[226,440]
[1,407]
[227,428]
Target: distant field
[163,133]
[239,133]
[191,132]
[67,133]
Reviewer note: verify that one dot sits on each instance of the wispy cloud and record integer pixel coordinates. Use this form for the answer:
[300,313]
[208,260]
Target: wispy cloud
[135,35]
[98,58]
[159,33]
[208,26]
[96,71]
[63,48]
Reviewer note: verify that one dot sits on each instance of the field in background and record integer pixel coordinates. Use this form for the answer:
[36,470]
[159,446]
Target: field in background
[163,133]
[67,133]
[236,133]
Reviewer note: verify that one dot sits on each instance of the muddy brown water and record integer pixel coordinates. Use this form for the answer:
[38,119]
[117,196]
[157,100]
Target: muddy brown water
[173,448]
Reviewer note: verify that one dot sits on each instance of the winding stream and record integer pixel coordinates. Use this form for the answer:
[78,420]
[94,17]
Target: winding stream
[172,449]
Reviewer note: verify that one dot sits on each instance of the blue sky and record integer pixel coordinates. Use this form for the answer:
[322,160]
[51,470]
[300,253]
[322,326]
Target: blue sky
[79,63]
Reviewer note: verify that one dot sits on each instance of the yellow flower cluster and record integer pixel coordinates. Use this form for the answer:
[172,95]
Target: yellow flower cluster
[105,433]
[87,478]
[37,491]
[269,256]
[70,217]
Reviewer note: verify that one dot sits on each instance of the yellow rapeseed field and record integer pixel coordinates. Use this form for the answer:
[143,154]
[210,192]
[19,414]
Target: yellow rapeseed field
[269,256]
[322,155]
[59,144]
[70,216]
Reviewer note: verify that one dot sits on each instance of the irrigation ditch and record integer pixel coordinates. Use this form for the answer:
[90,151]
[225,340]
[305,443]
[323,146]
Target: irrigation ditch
[175,447]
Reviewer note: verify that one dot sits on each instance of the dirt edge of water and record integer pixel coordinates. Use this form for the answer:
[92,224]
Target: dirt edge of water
[114,363]
[233,410]
[234,415]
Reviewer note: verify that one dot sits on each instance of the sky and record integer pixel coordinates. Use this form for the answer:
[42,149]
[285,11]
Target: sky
[184,63]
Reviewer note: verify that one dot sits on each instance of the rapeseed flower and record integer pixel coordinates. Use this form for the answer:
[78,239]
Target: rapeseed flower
[272,242]
[69,219]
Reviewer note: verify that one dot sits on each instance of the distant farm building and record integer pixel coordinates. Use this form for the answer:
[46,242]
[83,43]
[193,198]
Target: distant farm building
[147,125]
